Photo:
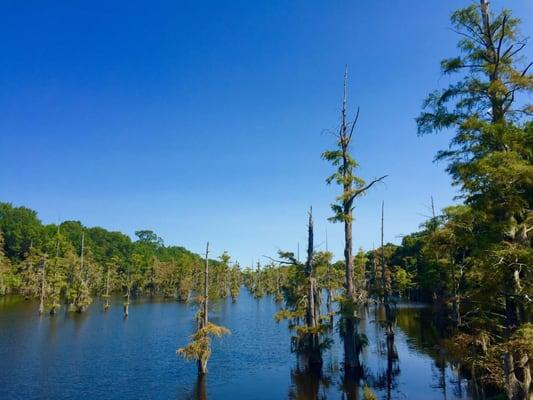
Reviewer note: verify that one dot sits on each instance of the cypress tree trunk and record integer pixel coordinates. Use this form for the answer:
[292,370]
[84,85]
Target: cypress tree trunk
[202,361]
[385,287]
[43,287]
[127,300]
[351,357]
[53,306]
[106,304]
[127,295]
[513,368]
[312,313]
[345,177]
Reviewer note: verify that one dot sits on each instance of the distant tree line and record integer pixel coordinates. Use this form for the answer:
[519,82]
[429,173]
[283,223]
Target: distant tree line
[68,264]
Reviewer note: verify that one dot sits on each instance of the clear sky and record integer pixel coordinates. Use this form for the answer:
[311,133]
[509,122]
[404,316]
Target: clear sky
[204,120]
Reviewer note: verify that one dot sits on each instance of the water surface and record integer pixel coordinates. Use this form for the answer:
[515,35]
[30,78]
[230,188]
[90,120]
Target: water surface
[100,355]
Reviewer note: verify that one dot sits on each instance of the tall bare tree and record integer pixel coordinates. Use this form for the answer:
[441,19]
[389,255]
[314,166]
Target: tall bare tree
[199,348]
[352,188]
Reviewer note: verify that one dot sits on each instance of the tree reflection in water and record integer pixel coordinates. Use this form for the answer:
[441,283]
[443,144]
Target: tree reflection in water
[199,391]
[309,384]
[351,383]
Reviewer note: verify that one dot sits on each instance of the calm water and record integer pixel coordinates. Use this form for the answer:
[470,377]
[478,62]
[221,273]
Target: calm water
[100,355]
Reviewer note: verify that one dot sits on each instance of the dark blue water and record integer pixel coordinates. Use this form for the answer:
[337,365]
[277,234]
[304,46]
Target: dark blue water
[100,355]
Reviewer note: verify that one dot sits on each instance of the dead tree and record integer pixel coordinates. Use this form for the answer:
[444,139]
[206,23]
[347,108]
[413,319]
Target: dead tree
[43,286]
[385,287]
[106,303]
[352,188]
[314,355]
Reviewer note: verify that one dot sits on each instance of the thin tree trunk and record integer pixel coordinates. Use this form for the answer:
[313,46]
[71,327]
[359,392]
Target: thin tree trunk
[202,361]
[206,285]
[314,358]
[106,304]
[81,254]
[43,287]
[351,357]
[56,260]
[386,292]
[127,295]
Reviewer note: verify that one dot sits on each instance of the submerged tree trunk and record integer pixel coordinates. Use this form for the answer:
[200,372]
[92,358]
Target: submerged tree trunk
[106,303]
[351,357]
[329,290]
[83,291]
[204,318]
[43,287]
[456,302]
[127,299]
[389,316]
[127,295]
[345,177]
[313,309]
[56,259]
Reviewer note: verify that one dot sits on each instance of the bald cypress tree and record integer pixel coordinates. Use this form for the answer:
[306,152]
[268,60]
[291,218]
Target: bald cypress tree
[352,188]
[199,348]
[302,293]
[490,160]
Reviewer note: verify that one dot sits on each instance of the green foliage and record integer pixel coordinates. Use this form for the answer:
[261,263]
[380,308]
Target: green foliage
[199,347]
[7,277]
[21,229]
[268,280]
[403,280]
[478,256]
[145,266]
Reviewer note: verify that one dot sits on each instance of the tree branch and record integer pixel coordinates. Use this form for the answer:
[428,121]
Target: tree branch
[353,125]
[281,261]
[365,188]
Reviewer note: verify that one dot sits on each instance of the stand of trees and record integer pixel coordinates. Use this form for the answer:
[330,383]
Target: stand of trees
[302,294]
[69,264]
[483,247]
[472,261]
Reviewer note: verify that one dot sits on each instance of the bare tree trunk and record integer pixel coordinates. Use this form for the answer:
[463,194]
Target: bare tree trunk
[314,356]
[351,358]
[127,295]
[80,308]
[106,304]
[202,361]
[386,294]
[345,214]
[43,287]
[456,311]
[206,285]
[53,306]
[81,254]
[329,294]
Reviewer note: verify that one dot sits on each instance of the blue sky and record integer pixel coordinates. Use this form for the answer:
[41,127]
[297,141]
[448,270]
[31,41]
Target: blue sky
[205,120]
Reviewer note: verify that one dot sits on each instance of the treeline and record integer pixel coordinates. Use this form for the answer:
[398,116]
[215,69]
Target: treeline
[70,264]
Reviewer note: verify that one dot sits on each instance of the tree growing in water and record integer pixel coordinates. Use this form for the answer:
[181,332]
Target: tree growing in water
[79,295]
[352,188]
[490,159]
[385,287]
[309,337]
[302,301]
[199,348]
